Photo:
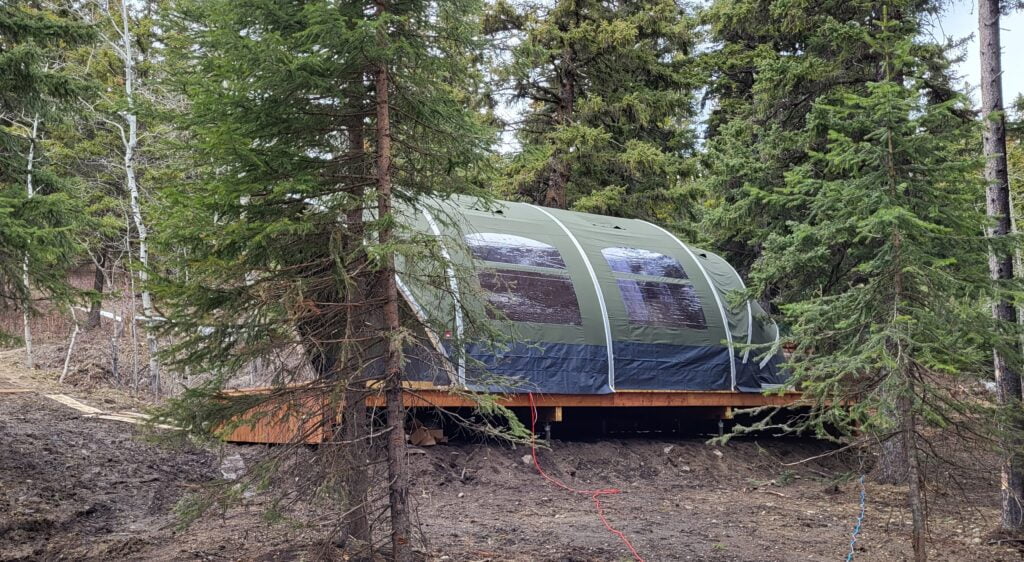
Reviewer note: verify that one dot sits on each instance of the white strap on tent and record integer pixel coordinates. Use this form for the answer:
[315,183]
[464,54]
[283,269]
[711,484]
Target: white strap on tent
[718,301]
[600,297]
[453,284]
[750,315]
[769,356]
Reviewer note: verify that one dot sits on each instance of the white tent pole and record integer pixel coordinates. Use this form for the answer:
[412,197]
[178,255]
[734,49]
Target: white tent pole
[750,323]
[769,356]
[750,314]
[600,296]
[453,284]
[718,301]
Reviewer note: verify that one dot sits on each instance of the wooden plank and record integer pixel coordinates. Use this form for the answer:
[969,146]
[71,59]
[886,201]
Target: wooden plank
[283,420]
[71,402]
[299,417]
[137,419]
[443,398]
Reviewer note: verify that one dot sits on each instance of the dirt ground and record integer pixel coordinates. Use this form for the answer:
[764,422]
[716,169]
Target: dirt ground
[74,487]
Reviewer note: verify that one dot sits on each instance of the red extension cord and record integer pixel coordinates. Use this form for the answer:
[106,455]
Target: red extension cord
[595,495]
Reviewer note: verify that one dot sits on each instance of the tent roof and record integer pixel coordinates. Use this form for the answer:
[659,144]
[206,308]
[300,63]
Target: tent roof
[613,303]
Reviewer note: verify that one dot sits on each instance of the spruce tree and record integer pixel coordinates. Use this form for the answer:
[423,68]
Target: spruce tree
[895,187]
[769,62]
[37,217]
[310,124]
[608,93]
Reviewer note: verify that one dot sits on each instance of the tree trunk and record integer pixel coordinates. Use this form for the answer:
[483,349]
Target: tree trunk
[30,191]
[398,470]
[355,423]
[98,281]
[915,494]
[355,428]
[558,180]
[892,461]
[1001,266]
[131,142]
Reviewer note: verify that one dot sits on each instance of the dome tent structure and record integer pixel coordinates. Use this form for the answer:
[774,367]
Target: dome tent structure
[592,305]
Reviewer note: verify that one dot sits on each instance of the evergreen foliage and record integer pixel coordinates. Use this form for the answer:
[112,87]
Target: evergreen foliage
[1015,158]
[281,140]
[279,93]
[38,230]
[282,245]
[770,63]
[608,88]
[883,351]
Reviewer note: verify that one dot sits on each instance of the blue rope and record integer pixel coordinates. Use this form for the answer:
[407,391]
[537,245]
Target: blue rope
[860,519]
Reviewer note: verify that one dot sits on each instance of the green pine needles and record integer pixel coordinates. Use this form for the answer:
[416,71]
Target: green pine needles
[608,92]
[899,323]
[312,127]
[38,217]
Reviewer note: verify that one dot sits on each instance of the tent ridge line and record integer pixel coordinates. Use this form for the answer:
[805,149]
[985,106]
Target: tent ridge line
[714,293]
[597,287]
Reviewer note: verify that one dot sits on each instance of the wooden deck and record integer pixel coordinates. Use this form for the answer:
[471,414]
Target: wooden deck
[622,399]
[300,417]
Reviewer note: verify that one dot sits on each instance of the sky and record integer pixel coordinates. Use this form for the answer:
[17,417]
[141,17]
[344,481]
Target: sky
[961,20]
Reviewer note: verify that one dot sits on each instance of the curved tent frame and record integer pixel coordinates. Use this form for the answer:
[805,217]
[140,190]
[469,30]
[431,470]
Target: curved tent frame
[591,304]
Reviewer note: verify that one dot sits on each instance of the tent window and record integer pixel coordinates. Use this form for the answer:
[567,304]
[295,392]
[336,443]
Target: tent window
[527,296]
[656,303]
[643,262]
[518,250]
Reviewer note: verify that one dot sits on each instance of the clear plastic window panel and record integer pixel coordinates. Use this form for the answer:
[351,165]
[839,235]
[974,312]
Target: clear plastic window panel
[509,248]
[655,303]
[527,296]
[643,262]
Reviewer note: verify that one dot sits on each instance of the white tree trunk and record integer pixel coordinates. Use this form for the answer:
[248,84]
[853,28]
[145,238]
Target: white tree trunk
[30,190]
[131,142]
[71,347]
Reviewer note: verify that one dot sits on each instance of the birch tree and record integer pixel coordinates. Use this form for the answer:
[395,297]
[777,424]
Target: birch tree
[121,43]
[26,280]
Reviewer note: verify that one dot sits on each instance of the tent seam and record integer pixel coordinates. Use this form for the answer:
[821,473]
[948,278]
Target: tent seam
[718,301]
[600,295]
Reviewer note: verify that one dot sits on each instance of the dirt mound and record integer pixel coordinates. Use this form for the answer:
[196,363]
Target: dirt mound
[680,500]
[82,488]
[74,487]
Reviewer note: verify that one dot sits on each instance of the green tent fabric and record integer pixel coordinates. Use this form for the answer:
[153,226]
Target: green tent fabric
[592,304]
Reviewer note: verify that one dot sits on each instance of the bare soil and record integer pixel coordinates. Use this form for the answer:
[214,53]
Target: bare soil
[81,488]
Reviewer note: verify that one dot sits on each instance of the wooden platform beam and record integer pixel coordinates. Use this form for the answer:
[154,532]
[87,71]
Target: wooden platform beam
[299,417]
[623,399]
